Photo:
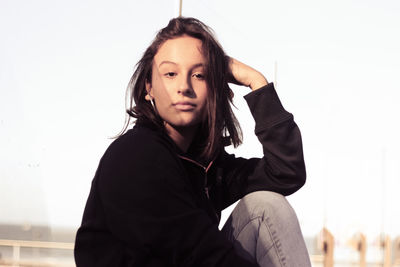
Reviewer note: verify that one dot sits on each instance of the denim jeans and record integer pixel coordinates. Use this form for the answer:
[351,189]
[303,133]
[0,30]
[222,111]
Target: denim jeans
[264,229]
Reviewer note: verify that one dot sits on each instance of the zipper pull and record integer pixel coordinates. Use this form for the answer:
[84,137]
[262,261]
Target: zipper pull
[206,191]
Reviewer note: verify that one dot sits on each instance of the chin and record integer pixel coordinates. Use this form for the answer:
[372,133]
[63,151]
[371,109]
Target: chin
[184,123]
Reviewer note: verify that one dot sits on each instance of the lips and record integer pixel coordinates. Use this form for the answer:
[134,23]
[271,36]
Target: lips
[184,106]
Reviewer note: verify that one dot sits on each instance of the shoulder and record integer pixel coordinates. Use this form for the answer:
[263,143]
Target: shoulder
[138,148]
[139,141]
[136,168]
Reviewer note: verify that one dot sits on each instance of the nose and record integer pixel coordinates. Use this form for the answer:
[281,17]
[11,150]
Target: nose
[185,86]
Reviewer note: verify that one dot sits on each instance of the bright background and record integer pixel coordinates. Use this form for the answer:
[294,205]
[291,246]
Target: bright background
[64,67]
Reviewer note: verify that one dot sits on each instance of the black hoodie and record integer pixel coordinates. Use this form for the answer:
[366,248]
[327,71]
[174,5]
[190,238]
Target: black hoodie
[150,205]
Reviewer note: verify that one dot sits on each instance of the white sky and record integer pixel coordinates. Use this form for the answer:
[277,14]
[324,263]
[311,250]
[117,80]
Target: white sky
[64,66]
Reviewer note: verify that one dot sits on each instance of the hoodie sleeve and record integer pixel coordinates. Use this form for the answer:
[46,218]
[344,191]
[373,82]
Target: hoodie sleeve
[282,167]
[148,205]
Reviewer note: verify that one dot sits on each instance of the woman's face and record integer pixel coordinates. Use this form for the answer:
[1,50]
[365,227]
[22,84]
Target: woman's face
[178,85]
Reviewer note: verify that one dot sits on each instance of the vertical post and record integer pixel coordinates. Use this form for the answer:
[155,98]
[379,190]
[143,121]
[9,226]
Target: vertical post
[180,8]
[396,250]
[16,254]
[387,251]
[362,249]
[328,243]
[359,243]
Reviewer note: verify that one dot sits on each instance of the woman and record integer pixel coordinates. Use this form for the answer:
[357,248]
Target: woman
[158,193]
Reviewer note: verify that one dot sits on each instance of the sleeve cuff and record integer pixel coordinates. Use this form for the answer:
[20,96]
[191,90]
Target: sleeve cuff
[265,106]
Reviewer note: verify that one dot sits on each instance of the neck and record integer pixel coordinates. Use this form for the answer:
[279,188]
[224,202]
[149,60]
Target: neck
[182,136]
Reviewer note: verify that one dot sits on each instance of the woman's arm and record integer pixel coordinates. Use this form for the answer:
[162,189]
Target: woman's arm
[282,167]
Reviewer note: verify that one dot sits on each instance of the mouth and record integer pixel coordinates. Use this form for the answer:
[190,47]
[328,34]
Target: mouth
[184,106]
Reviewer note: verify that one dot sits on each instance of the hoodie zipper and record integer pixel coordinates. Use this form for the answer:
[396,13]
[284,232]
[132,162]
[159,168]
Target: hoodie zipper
[205,169]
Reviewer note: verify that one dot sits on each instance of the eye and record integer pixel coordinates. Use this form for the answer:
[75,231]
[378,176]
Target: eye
[170,74]
[198,75]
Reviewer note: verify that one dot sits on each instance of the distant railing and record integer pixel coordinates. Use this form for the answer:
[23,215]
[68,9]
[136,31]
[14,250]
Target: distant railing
[16,258]
[317,260]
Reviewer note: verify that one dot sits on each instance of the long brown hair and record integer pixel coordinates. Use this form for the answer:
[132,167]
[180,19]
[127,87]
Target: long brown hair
[220,126]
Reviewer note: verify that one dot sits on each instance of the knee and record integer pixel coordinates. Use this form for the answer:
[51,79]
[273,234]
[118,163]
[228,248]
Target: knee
[266,204]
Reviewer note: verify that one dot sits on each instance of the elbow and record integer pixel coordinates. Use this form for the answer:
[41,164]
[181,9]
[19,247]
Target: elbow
[296,181]
[300,178]
[302,175]
[299,173]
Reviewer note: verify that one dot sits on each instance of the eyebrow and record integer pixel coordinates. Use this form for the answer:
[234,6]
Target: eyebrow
[170,62]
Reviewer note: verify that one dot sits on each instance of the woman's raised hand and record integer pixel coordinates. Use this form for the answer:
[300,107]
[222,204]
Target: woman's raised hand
[243,74]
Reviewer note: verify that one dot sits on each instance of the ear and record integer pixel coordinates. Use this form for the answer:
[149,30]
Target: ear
[149,95]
